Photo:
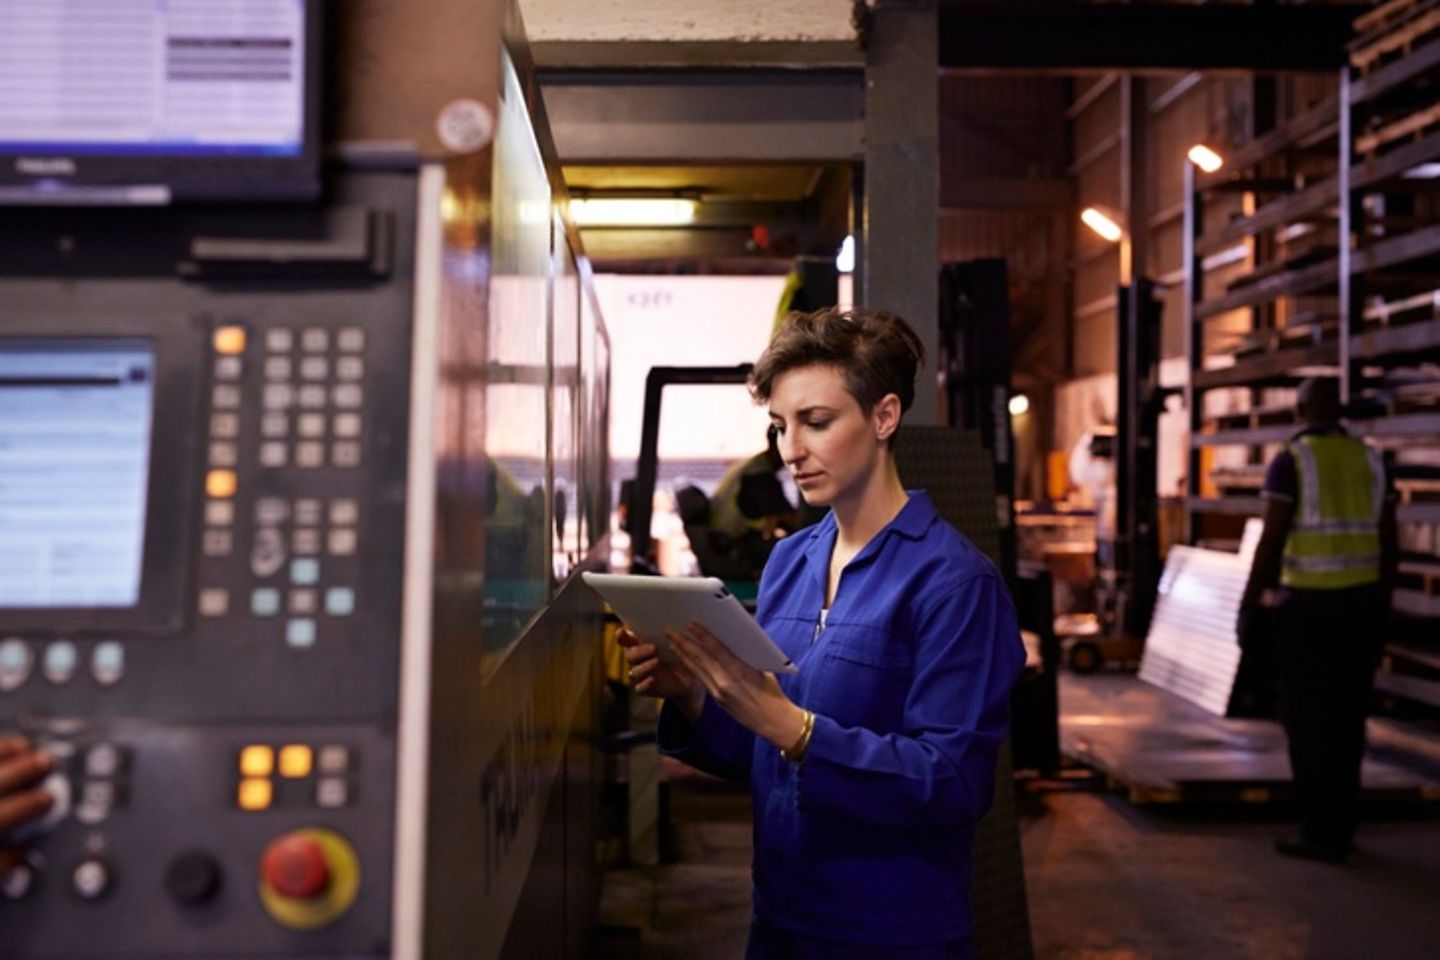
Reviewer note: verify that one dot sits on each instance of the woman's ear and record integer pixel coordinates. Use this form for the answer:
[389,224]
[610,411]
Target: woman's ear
[886,417]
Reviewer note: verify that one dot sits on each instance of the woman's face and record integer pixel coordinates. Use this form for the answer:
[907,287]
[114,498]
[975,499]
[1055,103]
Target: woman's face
[826,441]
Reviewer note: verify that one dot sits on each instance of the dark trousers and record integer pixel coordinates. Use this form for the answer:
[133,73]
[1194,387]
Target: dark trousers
[1330,644]
[769,942]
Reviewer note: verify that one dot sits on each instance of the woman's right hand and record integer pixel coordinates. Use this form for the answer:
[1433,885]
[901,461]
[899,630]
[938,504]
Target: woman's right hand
[662,678]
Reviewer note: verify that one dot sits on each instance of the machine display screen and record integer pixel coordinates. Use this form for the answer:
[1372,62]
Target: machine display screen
[151,77]
[75,429]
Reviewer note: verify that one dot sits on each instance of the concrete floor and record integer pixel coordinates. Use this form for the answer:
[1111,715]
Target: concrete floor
[1106,880]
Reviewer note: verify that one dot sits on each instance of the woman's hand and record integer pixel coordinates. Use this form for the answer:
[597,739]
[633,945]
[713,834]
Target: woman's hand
[659,678]
[21,800]
[753,697]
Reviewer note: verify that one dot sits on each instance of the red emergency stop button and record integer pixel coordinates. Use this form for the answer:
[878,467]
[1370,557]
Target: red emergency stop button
[294,866]
[308,878]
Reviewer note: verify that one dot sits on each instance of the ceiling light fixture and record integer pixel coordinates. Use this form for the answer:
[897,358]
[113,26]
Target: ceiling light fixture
[1205,158]
[1101,224]
[633,212]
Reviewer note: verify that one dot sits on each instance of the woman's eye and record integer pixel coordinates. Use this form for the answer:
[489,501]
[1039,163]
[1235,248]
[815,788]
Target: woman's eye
[818,424]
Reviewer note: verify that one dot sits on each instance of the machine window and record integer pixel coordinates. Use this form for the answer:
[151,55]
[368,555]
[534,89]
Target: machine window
[75,425]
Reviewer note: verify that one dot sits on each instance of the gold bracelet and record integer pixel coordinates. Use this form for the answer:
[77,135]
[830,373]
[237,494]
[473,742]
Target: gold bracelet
[797,753]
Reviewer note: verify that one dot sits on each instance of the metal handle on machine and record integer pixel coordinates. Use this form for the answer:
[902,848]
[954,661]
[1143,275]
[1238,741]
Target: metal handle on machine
[353,241]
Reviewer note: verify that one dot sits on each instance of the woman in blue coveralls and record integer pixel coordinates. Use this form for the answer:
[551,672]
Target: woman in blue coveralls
[870,767]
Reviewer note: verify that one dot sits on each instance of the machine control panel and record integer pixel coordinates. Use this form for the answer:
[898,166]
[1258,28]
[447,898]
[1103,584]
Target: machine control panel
[200,620]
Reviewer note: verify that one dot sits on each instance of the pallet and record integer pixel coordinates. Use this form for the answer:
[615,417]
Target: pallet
[1392,32]
[1411,127]
[1416,309]
[1417,490]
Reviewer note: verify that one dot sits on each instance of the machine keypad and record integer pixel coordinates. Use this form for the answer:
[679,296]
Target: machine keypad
[61,658]
[107,663]
[15,663]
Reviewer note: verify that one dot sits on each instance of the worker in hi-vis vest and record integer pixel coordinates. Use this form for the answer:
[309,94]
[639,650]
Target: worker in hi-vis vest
[1326,564]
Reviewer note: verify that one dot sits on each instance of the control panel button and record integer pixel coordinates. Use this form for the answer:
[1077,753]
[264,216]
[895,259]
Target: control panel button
[257,760]
[219,513]
[97,799]
[224,426]
[61,659]
[255,795]
[347,425]
[341,542]
[303,601]
[307,512]
[306,540]
[107,663]
[314,368]
[312,397]
[271,511]
[214,602]
[350,339]
[193,878]
[265,602]
[103,761]
[344,511]
[61,802]
[217,543]
[18,883]
[220,484]
[311,425]
[229,341]
[349,368]
[300,632]
[223,453]
[267,555]
[345,453]
[295,867]
[296,760]
[225,396]
[315,340]
[227,368]
[333,759]
[308,878]
[304,571]
[347,395]
[331,793]
[277,396]
[339,601]
[92,879]
[15,663]
[278,368]
[279,339]
[310,453]
[273,453]
[273,425]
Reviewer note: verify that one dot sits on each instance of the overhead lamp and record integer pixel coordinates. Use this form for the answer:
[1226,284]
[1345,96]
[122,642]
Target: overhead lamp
[1205,158]
[1102,224]
[1019,404]
[1423,171]
[633,212]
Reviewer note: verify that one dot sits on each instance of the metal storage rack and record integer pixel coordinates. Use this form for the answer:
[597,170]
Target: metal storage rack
[1362,296]
[1285,184]
[1390,300]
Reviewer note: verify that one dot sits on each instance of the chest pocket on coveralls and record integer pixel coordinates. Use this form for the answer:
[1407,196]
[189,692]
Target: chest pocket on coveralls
[866,676]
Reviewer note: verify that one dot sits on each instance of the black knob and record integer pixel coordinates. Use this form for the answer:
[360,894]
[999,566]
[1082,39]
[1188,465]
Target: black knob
[193,878]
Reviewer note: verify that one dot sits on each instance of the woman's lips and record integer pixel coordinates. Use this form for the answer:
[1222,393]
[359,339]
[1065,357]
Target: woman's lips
[806,477]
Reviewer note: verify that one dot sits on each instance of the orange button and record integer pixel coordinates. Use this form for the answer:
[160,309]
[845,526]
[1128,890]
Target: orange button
[229,340]
[220,484]
[295,760]
[255,794]
[257,761]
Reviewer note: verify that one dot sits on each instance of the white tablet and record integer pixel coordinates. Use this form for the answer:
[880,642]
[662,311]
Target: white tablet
[650,605]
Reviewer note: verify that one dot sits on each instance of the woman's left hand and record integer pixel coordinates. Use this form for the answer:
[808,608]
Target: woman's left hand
[753,697]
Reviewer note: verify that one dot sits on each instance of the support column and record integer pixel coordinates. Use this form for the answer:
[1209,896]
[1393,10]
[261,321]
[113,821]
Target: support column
[902,178]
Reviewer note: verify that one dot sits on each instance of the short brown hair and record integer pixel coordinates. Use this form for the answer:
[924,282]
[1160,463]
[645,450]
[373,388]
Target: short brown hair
[875,351]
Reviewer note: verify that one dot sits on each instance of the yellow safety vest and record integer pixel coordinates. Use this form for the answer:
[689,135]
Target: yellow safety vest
[1334,540]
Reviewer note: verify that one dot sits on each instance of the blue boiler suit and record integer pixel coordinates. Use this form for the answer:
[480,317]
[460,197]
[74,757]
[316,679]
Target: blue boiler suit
[869,839]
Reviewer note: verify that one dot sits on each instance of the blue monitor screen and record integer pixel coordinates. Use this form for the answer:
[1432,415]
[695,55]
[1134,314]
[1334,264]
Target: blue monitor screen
[118,78]
[75,426]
